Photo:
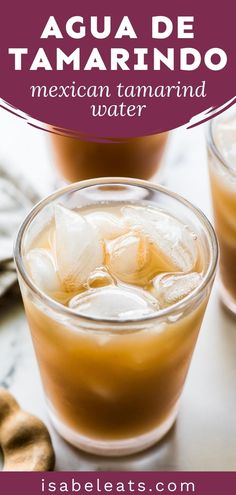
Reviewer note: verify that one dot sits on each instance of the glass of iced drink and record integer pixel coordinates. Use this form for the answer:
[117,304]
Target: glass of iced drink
[222,167]
[115,276]
[79,160]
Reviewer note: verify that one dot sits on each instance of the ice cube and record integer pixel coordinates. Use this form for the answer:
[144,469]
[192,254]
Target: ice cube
[99,278]
[52,242]
[170,237]
[42,270]
[78,248]
[115,303]
[127,255]
[108,226]
[169,288]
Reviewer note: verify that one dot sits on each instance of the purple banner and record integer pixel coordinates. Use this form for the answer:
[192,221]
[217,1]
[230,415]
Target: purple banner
[162,483]
[108,70]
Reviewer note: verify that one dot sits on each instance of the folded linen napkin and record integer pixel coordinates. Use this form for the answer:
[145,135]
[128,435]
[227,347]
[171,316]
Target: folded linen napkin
[16,199]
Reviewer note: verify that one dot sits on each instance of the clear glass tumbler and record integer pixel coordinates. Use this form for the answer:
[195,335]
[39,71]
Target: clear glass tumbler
[222,169]
[113,387]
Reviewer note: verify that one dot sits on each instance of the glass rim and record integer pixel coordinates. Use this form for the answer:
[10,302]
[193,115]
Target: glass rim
[159,314]
[215,149]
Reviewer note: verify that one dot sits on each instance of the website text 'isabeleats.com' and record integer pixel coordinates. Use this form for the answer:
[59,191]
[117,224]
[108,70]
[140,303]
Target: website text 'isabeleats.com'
[100,485]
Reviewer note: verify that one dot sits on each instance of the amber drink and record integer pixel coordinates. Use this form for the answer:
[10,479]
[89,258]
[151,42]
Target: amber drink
[222,167]
[135,157]
[115,275]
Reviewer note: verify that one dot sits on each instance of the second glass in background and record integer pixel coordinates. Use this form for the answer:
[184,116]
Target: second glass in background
[137,157]
[222,168]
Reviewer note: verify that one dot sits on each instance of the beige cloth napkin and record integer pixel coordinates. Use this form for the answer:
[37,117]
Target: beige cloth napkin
[16,199]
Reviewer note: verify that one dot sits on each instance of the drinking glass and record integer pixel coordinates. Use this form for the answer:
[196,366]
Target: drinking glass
[135,157]
[113,387]
[222,169]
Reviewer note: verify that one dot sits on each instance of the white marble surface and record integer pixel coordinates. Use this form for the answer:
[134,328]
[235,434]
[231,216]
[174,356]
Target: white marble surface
[204,437]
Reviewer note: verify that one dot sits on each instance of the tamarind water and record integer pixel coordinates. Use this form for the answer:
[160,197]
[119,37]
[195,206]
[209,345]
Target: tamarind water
[137,157]
[112,368]
[223,183]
